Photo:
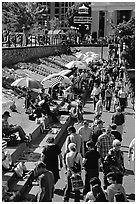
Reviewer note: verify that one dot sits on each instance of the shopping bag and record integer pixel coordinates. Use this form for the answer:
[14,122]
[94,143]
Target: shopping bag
[77,182]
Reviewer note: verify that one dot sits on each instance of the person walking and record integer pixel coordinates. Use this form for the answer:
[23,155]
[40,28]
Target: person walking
[95,93]
[97,130]
[45,181]
[52,157]
[70,157]
[131,152]
[115,132]
[113,188]
[122,98]
[108,97]
[114,161]
[73,137]
[85,131]
[91,165]
[104,144]
[119,119]
[98,107]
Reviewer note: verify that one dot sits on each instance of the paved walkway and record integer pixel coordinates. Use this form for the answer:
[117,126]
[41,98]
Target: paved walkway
[129,129]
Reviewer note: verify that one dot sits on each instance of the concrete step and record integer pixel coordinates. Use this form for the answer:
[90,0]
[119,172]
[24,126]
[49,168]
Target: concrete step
[31,155]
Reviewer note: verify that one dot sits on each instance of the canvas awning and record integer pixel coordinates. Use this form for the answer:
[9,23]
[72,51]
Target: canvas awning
[55,32]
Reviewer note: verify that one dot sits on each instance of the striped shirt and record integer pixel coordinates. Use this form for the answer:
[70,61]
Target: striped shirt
[104,144]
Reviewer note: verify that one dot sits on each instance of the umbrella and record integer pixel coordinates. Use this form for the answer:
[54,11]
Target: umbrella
[89,54]
[78,64]
[80,56]
[52,81]
[91,58]
[27,82]
[65,72]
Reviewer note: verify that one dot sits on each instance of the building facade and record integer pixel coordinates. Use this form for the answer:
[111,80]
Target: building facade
[103,15]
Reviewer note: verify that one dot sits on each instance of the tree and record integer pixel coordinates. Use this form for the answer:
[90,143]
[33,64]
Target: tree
[15,15]
[54,24]
[125,33]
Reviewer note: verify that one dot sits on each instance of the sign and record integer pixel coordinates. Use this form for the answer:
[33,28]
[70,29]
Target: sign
[80,19]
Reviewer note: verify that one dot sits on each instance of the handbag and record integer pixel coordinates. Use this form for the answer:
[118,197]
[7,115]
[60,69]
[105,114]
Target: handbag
[77,182]
[76,166]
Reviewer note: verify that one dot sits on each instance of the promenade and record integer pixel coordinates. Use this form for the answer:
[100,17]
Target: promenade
[32,154]
[129,134]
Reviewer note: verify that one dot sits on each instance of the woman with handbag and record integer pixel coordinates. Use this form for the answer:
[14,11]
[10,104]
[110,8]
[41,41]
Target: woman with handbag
[73,157]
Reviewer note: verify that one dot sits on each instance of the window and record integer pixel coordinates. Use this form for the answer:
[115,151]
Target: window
[56,10]
[56,4]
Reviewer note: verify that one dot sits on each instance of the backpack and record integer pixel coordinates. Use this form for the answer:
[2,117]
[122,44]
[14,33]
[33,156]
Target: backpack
[119,197]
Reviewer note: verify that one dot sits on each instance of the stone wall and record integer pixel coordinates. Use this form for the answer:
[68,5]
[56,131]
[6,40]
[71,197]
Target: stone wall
[24,54]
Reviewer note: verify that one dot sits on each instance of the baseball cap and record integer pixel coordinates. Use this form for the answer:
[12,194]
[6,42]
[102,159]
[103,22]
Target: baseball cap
[7,113]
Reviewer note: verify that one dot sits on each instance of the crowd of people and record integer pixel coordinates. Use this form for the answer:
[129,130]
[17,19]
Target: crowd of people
[95,148]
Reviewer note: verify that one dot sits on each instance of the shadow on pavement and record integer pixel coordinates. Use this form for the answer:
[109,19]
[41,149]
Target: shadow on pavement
[60,192]
[131,196]
[128,172]
[88,112]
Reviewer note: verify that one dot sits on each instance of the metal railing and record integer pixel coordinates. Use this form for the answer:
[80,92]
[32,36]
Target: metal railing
[20,40]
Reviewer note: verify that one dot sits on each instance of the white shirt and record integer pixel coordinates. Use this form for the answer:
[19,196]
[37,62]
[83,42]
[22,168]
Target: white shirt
[96,91]
[70,158]
[85,132]
[99,107]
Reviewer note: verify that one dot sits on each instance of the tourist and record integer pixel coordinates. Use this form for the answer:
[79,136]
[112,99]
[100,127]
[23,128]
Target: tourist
[114,187]
[115,132]
[51,156]
[79,113]
[91,165]
[46,110]
[108,97]
[41,95]
[45,182]
[95,93]
[98,107]
[115,101]
[114,161]
[85,131]
[28,99]
[10,129]
[96,194]
[131,152]
[119,119]
[75,138]
[122,98]
[105,143]
[69,164]
[103,88]
[97,130]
